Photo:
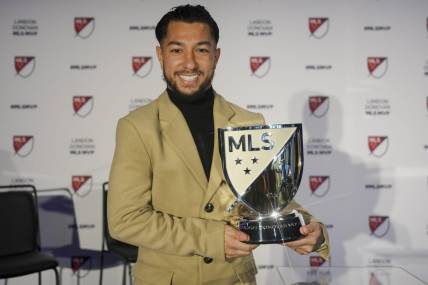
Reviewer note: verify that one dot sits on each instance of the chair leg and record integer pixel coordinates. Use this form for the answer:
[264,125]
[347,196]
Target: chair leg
[57,281]
[40,277]
[101,266]
[124,274]
[78,276]
[130,273]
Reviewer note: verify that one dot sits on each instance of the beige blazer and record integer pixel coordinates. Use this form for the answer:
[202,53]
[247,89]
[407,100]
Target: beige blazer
[158,192]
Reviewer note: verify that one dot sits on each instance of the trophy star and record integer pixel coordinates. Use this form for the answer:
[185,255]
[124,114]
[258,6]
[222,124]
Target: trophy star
[255,159]
[238,161]
[247,171]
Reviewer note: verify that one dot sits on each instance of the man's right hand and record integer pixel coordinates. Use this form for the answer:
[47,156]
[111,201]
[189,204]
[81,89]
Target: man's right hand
[233,243]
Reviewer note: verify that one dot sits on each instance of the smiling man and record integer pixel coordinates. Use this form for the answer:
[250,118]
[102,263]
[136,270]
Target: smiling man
[188,55]
[168,195]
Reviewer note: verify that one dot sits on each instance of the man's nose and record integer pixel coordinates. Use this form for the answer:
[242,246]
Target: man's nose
[190,60]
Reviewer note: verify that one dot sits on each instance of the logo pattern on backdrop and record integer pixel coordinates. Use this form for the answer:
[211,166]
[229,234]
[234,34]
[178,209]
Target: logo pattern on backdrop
[318,105]
[142,65]
[23,145]
[379,277]
[316,261]
[83,105]
[377,66]
[260,66]
[378,145]
[379,225]
[318,27]
[81,184]
[24,65]
[84,26]
[80,265]
[319,185]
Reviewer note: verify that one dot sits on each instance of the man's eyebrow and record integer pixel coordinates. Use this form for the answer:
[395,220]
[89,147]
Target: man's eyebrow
[204,43]
[174,43]
[177,43]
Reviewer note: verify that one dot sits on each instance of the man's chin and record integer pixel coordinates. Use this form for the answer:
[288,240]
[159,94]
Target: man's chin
[187,92]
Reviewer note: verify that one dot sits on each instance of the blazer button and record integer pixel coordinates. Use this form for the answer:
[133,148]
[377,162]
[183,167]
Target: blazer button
[208,260]
[209,207]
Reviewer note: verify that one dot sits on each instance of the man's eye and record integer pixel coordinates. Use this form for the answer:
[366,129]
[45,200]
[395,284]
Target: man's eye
[175,50]
[203,50]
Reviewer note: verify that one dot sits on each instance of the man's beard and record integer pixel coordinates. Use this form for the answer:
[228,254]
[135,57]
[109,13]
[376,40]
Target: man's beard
[206,84]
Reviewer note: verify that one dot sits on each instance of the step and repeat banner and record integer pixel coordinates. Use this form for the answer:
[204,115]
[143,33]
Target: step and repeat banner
[355,73]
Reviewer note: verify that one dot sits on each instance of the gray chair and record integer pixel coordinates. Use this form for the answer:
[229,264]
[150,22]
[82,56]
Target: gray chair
[20,234]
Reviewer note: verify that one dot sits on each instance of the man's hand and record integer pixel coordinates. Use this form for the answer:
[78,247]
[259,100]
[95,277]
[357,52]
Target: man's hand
[233,243]
[312,239]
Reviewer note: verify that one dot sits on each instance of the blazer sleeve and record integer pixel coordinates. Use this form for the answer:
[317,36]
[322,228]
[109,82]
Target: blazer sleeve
[131,217]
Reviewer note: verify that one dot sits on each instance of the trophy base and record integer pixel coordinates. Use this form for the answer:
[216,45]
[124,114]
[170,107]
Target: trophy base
[267,230]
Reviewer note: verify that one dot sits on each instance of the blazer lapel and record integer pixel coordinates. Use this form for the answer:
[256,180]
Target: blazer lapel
[223,114]
[178,136]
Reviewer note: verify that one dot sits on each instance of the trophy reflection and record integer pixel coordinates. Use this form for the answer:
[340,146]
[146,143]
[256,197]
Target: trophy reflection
[263,167]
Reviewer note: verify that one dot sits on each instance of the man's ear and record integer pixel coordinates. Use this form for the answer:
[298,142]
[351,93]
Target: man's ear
[159,55]
[217,55]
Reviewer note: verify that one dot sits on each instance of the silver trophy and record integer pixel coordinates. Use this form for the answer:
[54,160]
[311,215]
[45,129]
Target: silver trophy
[263,166]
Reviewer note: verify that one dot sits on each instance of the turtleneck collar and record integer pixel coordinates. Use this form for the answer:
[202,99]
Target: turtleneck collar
[199,99]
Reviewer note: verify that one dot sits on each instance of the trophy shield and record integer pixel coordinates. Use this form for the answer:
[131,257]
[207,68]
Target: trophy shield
[263,167]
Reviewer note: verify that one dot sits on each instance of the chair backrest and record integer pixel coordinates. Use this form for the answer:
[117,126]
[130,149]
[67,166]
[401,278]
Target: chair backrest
[126,251]
[18,222]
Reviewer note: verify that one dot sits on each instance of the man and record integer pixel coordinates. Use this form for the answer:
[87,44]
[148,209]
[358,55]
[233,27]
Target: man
[168,195]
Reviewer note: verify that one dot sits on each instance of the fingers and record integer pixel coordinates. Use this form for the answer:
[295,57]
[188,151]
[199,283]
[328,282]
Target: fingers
[305,230]
[307,244]
[234,245]
[235,234]
[303,250]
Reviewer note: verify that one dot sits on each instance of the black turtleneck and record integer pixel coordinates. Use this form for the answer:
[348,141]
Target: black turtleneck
[198,112]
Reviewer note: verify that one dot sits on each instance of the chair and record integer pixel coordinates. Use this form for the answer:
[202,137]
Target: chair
[126,252]
[20,234]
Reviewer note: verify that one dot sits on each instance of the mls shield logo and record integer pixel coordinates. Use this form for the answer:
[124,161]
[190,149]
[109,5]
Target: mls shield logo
[379,225]
[81,184]
[23,145]
[84,26]
[264,161]
[142,65]
[260,65]
[378,145]
[379,277]
[318,27]
[83,105]
[316,261]
[377,66]
[318,105]
[24,65]
[319,185]
[80,264]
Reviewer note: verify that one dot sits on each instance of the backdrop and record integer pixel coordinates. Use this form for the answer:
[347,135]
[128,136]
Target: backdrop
[355,73]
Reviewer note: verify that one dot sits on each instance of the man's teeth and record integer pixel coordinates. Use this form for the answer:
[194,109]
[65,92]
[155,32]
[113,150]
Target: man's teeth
[188,77]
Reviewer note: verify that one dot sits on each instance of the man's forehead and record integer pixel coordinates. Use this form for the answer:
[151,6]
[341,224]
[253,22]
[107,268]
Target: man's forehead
[179,31]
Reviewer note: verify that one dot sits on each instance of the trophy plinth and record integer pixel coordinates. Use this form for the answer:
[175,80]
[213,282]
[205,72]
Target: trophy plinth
[266,230]
[263,167]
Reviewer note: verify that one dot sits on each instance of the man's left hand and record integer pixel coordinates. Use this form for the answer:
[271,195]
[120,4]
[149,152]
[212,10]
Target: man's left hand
[311,240]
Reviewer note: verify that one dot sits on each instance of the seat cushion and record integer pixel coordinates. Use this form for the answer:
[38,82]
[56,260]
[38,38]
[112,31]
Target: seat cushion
[22,264]
[126,251]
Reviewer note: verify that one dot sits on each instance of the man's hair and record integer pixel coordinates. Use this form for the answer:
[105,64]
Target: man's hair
[188,14]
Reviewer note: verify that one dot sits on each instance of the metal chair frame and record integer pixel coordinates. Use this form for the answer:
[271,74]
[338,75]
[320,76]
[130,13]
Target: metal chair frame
[105,244]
